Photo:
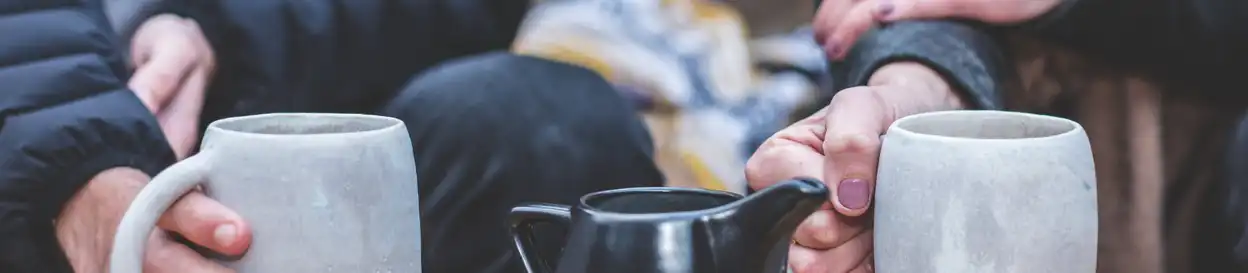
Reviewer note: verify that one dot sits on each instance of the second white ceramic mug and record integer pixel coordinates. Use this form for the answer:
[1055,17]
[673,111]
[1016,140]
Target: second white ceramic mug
[985,191]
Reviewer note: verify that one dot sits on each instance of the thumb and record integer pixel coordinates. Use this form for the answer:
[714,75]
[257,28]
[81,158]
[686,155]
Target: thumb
[165,255]
[851,147]
[208,223]
[157,80]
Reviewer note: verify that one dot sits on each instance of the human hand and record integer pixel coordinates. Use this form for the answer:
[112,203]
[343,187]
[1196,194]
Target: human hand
[841,144]
[839,23]
[86,226]
[173,64]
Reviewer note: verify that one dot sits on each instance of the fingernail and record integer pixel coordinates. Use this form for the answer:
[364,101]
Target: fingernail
[832,49]
[885,9]
[853,193]
[224,234]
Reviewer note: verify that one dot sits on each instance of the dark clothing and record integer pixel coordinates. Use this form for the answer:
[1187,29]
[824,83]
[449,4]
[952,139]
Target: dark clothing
[1199,44]
[965,54]
[493,131]
[335,55]
[1234,215]
[65,115]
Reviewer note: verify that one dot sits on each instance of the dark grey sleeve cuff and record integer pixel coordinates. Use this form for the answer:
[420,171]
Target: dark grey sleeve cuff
[969,58]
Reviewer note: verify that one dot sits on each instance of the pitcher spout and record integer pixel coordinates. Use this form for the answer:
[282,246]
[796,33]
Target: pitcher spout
[781,207]
[770,216]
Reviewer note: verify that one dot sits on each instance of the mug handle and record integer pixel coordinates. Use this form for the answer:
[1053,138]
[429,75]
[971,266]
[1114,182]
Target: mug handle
[521,220]
[151,202]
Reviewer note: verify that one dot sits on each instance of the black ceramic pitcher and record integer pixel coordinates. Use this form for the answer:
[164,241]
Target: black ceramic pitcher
[672,230]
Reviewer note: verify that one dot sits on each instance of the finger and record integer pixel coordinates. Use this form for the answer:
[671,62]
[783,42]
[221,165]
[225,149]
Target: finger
[897,10]
[208,223]
[840,259]
[805,260]
[180,120]
[858,20]
[792,152]
[139,55]
[867,266]
[852,147]
[826,20]
[156,80]
[165,256]
[826,229]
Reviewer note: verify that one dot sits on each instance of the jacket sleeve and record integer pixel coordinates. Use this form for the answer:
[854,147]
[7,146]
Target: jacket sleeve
[968,57]
[314,52]
[1194,40]
[65,115]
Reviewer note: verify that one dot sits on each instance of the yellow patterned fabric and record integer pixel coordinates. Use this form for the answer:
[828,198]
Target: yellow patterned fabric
[687,65]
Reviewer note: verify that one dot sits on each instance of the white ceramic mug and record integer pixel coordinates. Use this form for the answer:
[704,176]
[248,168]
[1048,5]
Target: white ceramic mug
[985,191]
[321,192]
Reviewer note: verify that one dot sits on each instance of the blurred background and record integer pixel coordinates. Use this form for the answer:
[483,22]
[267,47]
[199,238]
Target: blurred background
[711,78]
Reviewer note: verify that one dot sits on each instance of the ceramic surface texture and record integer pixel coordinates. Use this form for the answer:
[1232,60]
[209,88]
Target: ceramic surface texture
[672,230]
[985,191]
[322,193]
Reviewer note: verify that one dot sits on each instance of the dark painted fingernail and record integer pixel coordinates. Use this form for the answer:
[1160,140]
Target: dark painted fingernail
[885,9]
[833,49]
[853,193]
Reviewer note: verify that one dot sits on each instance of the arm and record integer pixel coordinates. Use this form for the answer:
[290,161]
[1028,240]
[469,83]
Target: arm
[966,56]
[313,52]
[65,115]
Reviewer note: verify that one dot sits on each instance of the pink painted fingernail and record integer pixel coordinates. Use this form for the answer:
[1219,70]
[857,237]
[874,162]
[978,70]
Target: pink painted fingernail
[853,193]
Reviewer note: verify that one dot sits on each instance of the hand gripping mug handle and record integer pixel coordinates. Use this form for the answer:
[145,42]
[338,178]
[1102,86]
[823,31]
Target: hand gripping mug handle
[521,220]
[148,206]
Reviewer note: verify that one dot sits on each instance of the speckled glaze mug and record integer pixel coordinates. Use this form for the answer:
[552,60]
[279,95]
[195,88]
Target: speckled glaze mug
[322,193]
[985,191]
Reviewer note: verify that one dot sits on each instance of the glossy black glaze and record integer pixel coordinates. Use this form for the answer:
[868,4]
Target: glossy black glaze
[672,230]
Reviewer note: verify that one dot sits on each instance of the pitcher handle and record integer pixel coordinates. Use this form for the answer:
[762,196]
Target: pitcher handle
[151,202]
[521,220]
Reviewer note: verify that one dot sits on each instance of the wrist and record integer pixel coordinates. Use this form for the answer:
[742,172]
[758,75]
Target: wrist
[920,83]
[91,214]
[111,186]
[908,74]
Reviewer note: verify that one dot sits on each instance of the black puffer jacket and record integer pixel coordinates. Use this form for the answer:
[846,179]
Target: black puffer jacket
[65,115]
[334,55]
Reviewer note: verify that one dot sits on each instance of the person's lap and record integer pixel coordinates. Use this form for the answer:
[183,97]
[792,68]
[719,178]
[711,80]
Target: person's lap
[492,131]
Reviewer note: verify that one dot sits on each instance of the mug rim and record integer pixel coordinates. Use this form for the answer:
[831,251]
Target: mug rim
[391,124]
[584,200]
[896,126]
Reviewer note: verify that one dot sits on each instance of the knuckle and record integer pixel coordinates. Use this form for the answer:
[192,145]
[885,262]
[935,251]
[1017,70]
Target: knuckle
[854,93]
[754,168]
[165,77]
[851,143]
[158,252]
[828,236]
[811,267]
[760,167]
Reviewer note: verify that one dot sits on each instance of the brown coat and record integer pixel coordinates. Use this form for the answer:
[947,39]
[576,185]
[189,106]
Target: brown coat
[1157,154]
